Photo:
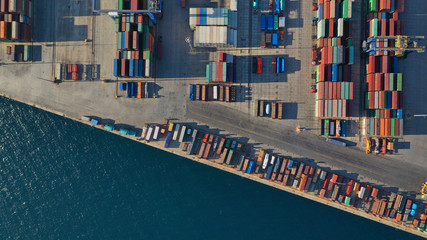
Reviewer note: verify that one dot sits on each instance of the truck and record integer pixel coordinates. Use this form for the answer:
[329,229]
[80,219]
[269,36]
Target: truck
[182,135]
[156,133]
[144,130]
[273,110]
[270,167]
[191,92]
[251,166]
[170,128]
[175,134]
[164,126]
[168,139]
[221,145]
[198,97]
[149,133]
[192,143]
[280,111]
[204,91]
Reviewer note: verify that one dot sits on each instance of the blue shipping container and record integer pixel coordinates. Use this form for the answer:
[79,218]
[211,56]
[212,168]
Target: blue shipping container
[116,68]
[395,65]
[191,92]
[282,63]
[134,89]
[131,67]
[124,40]
[129,90]
[277,65]
[278,6]
[320,12]
[274,39]
[270,22]
[399,113]
[94,122]
[343,128]
[168,139]
[351,55]
[262,22]
[122,86]
[141,67]
[251,166]
[269,172]
[337,142]
[290,163]
[334,72]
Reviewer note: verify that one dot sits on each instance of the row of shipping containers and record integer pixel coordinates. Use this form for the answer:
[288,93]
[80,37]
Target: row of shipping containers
[387,205]
[137,68]
[384,113]
[337,108]
[334,90]
[274,109]
[384,100]
[384,82]
[134,89]
[15,20]
[385,5]
[333,128]
[391,127]
[272,22]
[136,4]
[212,92]
[334,28]
[333,72]
[222,71]
[135,46]
[269,39]
[334,9]
[337,55]
[212,17]
[215,36]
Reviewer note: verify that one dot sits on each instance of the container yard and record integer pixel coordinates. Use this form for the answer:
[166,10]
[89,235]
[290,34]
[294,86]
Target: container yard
[15,20]
[338,70]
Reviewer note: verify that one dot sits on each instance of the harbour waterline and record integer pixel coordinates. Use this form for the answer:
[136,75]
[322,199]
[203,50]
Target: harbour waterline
[66,180]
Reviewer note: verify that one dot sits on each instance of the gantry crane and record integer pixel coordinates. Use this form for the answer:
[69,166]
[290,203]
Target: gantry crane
[402,43]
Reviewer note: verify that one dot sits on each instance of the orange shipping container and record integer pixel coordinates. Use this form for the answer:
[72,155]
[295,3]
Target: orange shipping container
[382,127]
[387,127]
[350,91]
[330,91]
[330,54]
[338,90]
[3,32]
[334,90]
[331,28]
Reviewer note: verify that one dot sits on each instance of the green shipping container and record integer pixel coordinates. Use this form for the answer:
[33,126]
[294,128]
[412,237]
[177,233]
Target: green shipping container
[393,127]
[326,127]
[334,42]
[144,41]
[276,22]
[27,53]
[345,9]
[335,55]
[120,6]
[140,27]
[374,27]
[127,26]
[377,113]
[392,80]
[372,5]
[117,27]
[148,54]
[119,40]
[146,29]
[207,73]
[399,82]
[347,90]
[350,42]
[230,155]
[347,201]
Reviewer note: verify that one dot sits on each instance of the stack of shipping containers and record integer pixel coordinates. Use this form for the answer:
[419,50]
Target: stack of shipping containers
[383,96]
[134,57]
[214,27]
[222,71]
[334,53]
[15,20]
[134,4]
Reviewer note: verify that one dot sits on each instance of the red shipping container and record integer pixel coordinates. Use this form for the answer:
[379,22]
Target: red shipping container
[330,55]
[394,100]
[135,41]
[386,64]
[400,5]
[322,72]
[218,73]
[321,90]
[395,16]
[75,76]
[334,90]
[134,4]
[383,27]
[323,55]
[127,40]
[331,27]
[75,68]
[139,18]
[320,2]
[380,100]
[321,108]
[371,100]
[326,10]
[391,29]
[124,67]
[327,90]
[222,56]
[387,113]
[370,82]
[387,82]
[371,64]
[338,90]
[382,127]
[339,42]
[350,91]
[4,6]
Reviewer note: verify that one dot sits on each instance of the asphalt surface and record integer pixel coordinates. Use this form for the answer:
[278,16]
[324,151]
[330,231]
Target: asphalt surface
[316,151]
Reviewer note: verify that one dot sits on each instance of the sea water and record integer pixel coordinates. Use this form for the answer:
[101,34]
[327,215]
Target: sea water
[61,179]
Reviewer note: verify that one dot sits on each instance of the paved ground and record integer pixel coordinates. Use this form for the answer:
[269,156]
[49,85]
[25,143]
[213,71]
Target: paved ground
[60,28]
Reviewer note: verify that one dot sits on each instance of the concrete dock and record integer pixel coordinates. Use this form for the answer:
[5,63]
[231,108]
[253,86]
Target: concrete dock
[59,34]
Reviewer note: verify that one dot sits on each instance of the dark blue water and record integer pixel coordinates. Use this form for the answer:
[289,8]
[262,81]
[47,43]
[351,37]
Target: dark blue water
[64,180]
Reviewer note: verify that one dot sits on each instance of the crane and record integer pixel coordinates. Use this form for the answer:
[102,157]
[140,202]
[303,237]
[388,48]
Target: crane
[402,43]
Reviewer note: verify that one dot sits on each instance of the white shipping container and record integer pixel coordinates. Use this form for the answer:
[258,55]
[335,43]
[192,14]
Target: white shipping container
[340,27]
[12,5]
[332,9]
[193,19]
[150,131]
[233,5]
[321,29]
[156,133]
[376,100]
[350,9]
[215,92]
[281,22]
[182,134]
[15,30]
[147,68]
[175,133]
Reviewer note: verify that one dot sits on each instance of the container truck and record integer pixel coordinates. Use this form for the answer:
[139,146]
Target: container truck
[149,133]
[251,166]
[182,135]
[221,145]
[175,134]
[168,139]
[191,92]
[156,133]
